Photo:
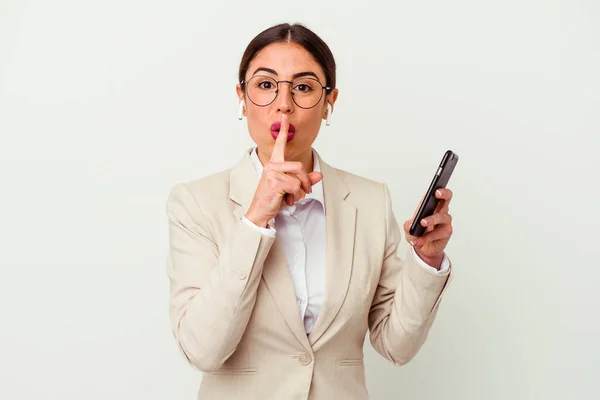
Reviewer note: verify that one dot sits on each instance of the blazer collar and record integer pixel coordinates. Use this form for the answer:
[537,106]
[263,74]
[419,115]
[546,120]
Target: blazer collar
[243,181]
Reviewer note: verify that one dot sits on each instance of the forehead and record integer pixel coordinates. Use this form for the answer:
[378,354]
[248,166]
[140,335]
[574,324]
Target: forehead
[287,59]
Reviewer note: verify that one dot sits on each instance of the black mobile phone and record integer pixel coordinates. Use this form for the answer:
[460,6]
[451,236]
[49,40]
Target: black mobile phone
[430,202]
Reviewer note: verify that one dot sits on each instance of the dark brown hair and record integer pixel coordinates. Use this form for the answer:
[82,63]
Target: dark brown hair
[295,33]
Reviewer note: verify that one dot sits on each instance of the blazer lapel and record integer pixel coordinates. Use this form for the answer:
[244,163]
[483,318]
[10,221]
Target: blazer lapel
[341,226]
[279,281]
[244,180]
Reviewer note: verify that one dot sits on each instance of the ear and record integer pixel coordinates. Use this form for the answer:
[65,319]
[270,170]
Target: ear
[241,97]
[240,92]
[330,99]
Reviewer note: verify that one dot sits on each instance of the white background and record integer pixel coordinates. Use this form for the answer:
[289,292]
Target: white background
[104,106]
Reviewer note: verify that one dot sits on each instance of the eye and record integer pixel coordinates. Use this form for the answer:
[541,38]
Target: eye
[303,88]
[267,85]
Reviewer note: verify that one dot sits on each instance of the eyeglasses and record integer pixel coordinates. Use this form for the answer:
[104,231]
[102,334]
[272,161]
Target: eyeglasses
[306,92]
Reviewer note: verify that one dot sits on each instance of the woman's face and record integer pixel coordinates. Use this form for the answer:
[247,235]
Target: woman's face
[282,61]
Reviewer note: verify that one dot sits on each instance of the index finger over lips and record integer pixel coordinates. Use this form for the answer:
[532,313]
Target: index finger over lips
[278,154]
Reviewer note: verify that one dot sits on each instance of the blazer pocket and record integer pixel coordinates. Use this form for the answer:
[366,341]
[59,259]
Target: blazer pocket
[351,362]
[235,371]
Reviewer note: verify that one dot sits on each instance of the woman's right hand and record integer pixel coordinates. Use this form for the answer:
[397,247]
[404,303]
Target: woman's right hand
[280,180]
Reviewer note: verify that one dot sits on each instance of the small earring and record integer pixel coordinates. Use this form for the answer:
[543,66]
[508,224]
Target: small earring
[241,110]
[328,121]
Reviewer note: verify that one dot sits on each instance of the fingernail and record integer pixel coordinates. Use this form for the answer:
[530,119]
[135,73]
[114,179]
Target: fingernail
[414,242]
[438,192]
[424,222]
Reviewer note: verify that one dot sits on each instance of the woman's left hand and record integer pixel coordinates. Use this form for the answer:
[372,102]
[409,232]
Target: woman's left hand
[430,247]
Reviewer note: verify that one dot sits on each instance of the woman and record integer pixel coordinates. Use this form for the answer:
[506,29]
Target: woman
[279,265]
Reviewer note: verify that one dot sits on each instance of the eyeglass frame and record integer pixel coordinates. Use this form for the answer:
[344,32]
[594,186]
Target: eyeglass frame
[243,83]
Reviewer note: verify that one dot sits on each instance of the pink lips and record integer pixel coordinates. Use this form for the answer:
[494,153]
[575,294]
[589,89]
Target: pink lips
[275,131]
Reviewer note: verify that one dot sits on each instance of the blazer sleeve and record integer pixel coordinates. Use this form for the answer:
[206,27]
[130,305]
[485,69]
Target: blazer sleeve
[406,299]
[212,288]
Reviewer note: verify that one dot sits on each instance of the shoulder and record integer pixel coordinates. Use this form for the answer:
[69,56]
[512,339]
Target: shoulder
[213,184]
[361,187]
[357,181]
[202,190]
[370,195]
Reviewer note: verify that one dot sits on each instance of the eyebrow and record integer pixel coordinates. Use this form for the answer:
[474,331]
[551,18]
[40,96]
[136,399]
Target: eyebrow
[296,75]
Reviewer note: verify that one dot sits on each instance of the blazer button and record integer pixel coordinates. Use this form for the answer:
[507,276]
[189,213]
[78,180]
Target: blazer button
[304,359]
[242,276]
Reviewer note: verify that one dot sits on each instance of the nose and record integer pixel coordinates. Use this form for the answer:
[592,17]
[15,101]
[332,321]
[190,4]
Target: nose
[284,101]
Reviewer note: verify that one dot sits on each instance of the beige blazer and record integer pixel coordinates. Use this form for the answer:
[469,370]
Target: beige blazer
[233,306]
